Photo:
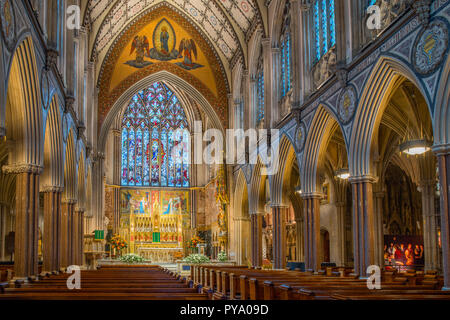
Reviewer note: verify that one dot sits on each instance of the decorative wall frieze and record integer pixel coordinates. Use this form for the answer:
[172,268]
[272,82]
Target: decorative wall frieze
[22,168]
[51,189]
[51,57]
[423,10]
[69,201]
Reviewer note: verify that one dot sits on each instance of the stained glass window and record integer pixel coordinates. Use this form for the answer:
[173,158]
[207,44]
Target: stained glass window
[155,140]
[285,47]
[324,26]
[260,105]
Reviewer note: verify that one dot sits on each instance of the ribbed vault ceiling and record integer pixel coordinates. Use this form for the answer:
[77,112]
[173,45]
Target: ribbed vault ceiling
[224,22]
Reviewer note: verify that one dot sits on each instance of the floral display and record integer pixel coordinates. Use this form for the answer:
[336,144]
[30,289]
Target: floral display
[196,259]
[118,243]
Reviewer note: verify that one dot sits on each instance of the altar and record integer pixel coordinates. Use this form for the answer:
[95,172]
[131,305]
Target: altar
[155,223]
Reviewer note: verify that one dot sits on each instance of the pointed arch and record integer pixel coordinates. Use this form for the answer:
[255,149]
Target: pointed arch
[70,170]
[23,107]
[319,133]
[370,109]
[53,174]
[441,109]
[172,81]
[259,175]
[286,156]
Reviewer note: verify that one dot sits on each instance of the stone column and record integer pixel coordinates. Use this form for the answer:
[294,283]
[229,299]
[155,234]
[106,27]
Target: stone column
[430,237]
[67,212]
[340,210]
[363,224]
[116,178]
[256,238]
[52,224]
[27,206]
[379,234]
[268,88]
[78,223]
[311,211]
[3,213]
[299,239]
[279,236]
[443,158]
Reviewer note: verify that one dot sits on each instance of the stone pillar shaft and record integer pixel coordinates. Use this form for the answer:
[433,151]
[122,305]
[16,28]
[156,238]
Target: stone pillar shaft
[279,237]
[379,235]
[300,256]
[444,178]
[363,224]
[67,209]
[3,213]
[256,239]
[429,225]
[51,236]
[340,208]
[312,232]
[26,233]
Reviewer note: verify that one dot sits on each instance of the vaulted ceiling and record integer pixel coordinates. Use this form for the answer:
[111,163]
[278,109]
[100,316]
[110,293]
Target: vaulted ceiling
[225,23]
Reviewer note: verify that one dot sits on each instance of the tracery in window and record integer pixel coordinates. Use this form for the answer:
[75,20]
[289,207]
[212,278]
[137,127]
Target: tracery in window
[155,140]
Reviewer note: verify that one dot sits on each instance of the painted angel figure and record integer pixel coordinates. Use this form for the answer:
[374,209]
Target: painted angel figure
[142,47]
[188,49]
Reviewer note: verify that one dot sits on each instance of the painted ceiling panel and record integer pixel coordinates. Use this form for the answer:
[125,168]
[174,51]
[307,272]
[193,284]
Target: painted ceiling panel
[208,14]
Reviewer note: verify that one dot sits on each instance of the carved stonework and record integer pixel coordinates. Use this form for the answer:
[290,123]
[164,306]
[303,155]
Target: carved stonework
[51,58]
[423,9]
[286,104]
[347,105]
[45,89]
[51,189]
[325,68]
[70,100]
[22,168]
[65,128]
[301,136]
[430,47]
[8,22]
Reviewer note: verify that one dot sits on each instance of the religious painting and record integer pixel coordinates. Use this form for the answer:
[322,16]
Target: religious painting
[326,193]
[164,41]
[404,252]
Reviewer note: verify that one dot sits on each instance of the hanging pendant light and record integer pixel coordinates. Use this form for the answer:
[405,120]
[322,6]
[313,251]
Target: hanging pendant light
[415,147]
[343,174]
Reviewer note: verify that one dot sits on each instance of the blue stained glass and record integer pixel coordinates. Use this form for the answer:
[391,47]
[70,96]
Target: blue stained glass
[131,155]
[332,24]
[147,157]
[324,27]
[124,177]
[288,61]
[317,29]
[149,121]
[139,157]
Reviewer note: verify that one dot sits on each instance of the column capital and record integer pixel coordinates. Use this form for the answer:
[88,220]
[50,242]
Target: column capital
[257,214]
[362,179]
[51,189]
[441,149]
[311,195]
[241,219]
[278,205]
[69,201]
[80,209]
[379,194]
[22,168]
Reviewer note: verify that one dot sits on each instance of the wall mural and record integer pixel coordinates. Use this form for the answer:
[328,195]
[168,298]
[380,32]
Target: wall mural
[164,43]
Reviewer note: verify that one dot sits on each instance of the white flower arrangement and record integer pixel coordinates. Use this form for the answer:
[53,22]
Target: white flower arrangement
[131,258]
[196,259]
[222,256]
